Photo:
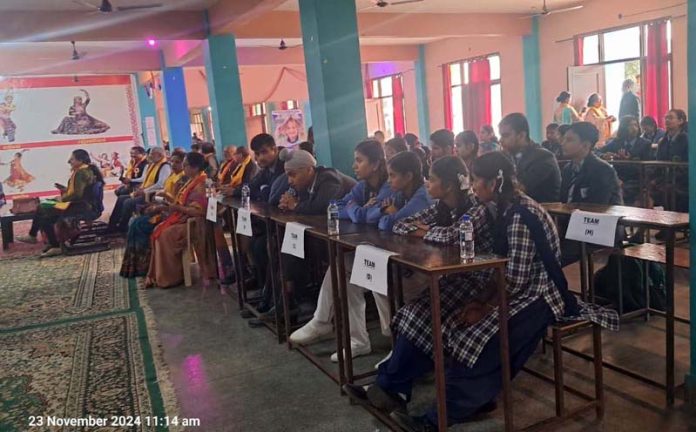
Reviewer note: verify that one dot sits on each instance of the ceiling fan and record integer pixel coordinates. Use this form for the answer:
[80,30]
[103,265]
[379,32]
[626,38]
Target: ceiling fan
[545,11]
[384,3]
[106,6]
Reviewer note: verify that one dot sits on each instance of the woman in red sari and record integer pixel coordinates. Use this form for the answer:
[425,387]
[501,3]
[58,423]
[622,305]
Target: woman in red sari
[169,239]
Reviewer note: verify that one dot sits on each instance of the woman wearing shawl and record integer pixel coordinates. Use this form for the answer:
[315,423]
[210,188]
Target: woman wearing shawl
[169,238]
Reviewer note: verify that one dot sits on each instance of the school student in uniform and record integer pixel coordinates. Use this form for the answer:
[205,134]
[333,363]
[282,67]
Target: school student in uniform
[374,200]
[511,224]
[449,185]
[441,144]
[586,179]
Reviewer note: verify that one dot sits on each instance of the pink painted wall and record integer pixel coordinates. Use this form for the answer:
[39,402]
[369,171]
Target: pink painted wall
[408,73]
[451,50]
[557,52]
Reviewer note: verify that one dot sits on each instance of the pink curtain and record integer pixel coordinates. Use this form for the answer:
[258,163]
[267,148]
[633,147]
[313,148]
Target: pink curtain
[447,83]
[579,51]
[398,99]
[656,81]
[477,95]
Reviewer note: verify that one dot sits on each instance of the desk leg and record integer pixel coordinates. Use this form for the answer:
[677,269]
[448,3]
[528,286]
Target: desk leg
[669,281]
[273,245]
[438,353]
[338,310]
[236,258]
[7,233]
[643,188]
[583,271]
[284,295]
[504,348]
[344,353]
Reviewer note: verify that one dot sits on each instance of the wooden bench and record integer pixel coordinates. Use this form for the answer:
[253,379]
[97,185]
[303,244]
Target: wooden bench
[656,253]
[6,221]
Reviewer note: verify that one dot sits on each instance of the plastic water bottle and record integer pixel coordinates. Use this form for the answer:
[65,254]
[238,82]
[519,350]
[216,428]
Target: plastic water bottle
[466,239]
[332,218]
[246,196]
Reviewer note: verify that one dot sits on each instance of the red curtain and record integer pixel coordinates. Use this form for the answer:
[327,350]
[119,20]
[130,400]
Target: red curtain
[398,99]
[447,83]
[656,82]
[579,51]
[477,95]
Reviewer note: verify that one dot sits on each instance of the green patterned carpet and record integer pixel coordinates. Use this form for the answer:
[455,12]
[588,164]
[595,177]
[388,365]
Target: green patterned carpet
[75,342]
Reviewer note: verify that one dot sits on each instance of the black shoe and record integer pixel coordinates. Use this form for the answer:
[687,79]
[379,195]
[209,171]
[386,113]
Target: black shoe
[412,424]
[246,314]
[375,397]
[256,323]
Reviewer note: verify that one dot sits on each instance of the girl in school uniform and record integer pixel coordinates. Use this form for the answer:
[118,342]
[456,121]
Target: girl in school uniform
[511,224]
[449,185]
[377,201]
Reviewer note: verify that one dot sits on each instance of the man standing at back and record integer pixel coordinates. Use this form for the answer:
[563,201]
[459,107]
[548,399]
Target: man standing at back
[537,169]
[630,104]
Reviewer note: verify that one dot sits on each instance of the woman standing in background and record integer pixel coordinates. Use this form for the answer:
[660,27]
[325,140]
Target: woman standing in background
[565,113]
[597,114]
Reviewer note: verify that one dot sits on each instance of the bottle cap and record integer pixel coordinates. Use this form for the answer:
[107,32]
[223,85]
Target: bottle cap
[466,218]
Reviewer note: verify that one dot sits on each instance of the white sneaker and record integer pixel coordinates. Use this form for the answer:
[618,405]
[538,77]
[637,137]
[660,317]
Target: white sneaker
[355,351]
[313,331]
[52,252]
[26,239]
[384,360]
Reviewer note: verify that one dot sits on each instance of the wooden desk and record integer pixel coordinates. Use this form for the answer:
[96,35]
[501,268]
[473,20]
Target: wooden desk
[260,212]
[6,221]
[435,261]
[670,175]
[318,229]
[669,222]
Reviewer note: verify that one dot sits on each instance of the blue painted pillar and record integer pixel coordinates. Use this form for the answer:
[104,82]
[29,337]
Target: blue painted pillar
[225,91]
[148,115]
[532,81]
[176,107]
[422,93]
[307,110]
[334,78]
[691,72]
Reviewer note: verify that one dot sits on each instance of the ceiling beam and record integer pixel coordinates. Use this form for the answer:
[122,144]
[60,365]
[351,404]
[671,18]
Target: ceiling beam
[286,24]
[116,26]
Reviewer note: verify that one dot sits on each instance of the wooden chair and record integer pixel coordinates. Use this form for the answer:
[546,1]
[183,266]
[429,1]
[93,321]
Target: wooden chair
[559,331]
[188,257]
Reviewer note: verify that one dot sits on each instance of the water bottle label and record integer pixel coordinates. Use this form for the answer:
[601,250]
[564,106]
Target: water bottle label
[468,236]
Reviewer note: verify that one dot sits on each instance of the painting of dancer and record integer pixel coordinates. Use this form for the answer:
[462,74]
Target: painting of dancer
[78,122]
[19,177]
[8,126]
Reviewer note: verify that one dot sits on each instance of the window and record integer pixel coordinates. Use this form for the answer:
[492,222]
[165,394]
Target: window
[642,53]
[475,93]
[389,92]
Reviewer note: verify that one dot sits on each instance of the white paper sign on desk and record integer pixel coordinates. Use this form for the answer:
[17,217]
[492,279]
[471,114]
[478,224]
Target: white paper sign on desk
[370,268]
[595,228]
[293,240]
[244,222]
[211,214]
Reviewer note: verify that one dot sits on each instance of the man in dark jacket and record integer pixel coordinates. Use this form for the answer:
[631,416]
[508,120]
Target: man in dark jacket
[586,179]
[630,104]
[315,186]
[271,167]
[537,169]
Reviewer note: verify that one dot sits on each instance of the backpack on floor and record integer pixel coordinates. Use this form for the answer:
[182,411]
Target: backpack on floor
[633,279]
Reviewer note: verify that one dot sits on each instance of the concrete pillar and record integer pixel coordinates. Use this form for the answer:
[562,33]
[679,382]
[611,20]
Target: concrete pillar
[422,93]
[176,107]
[532,81]
[148,116]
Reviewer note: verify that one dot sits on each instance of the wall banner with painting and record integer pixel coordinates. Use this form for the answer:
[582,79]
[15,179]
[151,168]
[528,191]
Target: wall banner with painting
[289,128]
[43,119]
